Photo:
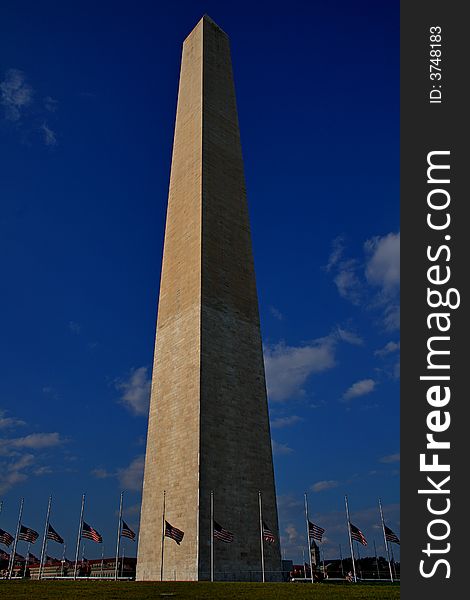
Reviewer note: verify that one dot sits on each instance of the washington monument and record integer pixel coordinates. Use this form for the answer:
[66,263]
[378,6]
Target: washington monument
[208,428]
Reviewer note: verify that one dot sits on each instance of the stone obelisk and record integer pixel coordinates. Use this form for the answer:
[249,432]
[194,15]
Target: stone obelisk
[208,421]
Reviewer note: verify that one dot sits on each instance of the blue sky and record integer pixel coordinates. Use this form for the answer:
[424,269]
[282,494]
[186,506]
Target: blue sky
[87,109]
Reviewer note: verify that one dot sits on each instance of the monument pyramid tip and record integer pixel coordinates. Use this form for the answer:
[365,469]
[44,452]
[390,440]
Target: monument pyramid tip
[208,20]
[205,17]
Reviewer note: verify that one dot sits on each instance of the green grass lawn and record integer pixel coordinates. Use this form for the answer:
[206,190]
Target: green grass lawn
[110,590]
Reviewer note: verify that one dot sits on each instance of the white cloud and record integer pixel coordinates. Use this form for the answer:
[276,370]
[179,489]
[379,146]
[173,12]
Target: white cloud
[20,457]
[35,441]
[388,349]
[49,137]
[20,109]
[336,253]
[281,422]
[289,367]
[10,479]
[383,273]
[321,486]
[131,477]
[101,473]
[373,280]
[383,266]
[18,463]
[44,470]
[346,279]
[292,533]
[15,471]
[280,449]
[360,388]
[349,336]
[21,463]
[348,283]
[15,94]
[9,422]
[50,391]
[276,313]
[390,458]
[75,327]
[133,510]
[292,542]
[391,316]
[50,104]
[136,391]
[396,371]
[288,503]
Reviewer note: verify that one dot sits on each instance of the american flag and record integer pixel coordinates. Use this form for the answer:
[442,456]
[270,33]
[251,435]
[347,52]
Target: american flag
[173,533]
[5,538]
[315,532]
[268,535]
[357,534]
[390,536]
[53,535]
[127,531]
[222,534]
[90,533]
[4,555]
[28,535]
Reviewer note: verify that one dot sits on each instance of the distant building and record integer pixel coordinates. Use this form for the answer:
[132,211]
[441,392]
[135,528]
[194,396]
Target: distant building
[315,551]
[94,568]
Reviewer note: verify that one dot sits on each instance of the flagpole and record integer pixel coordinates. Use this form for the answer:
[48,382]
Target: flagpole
[163,534]
[102,560]
[358,559]
[385,540]
[350,538]
[26,560]
[45,551]
[393,563]
[341,558]
[118,538]
[376,561]
[80,525]
[212,535]
[1,506]
[261,533]
[63,558]
[46,524]
[13,552]
[308,536]
[122,560]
